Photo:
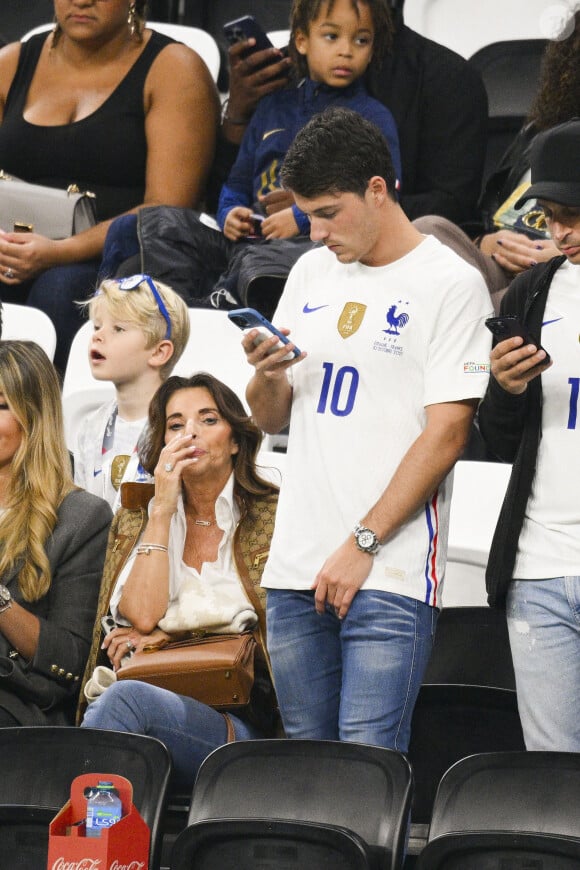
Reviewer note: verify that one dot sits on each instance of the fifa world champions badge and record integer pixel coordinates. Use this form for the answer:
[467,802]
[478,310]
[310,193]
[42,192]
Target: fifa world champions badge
[350,319]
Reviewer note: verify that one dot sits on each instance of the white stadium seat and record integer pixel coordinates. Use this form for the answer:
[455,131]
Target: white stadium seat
[28,324]
[200,41]
[478,491]
[466,26]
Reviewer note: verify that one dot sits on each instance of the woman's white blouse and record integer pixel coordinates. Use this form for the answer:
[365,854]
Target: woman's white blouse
[212,599]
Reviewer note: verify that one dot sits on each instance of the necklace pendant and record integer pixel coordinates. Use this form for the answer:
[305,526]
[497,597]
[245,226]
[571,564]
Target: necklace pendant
[202,523]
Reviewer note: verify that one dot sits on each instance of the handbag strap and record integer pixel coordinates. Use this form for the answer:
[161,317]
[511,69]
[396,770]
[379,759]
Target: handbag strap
[125,530]
[230,733]
[251,548]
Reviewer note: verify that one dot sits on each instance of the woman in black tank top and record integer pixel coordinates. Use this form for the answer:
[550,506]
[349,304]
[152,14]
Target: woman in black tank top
[115,108]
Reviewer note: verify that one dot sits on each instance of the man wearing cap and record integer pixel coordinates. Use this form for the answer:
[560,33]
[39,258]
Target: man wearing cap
[530,417]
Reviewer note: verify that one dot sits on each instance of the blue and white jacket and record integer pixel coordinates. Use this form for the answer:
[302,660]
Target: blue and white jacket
[275,123]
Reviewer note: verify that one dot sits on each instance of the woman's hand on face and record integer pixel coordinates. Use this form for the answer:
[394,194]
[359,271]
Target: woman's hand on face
[173,459]
[124,640]
[24,255]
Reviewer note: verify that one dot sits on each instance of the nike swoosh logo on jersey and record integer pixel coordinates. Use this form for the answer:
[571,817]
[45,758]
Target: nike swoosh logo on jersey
[555,320]
[271,132]
[97,472]
[308,310]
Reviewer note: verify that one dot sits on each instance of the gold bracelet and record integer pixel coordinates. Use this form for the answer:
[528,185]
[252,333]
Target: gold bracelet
[145,549]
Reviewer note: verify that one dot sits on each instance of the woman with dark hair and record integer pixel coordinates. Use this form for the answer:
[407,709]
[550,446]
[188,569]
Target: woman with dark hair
[185,573]
[53,539]
[115,108]
[513,240]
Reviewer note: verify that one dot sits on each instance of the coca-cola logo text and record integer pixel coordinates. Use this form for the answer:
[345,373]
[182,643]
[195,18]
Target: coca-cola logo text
[83,864]
[134,865]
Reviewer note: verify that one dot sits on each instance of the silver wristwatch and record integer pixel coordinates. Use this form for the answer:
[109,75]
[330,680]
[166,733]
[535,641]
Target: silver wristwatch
[5,598]
[366,540]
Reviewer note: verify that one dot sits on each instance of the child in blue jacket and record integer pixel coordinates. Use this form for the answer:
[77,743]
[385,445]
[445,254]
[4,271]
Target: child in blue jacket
[332,42]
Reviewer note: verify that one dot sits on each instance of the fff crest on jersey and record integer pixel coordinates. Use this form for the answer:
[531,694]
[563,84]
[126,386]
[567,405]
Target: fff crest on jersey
[350,319]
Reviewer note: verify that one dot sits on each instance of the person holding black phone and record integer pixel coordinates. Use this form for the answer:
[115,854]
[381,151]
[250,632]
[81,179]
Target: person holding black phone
[438,101]
[331,46]
[529,417]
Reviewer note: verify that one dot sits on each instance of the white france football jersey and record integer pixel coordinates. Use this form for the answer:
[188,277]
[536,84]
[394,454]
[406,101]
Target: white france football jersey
[382,342]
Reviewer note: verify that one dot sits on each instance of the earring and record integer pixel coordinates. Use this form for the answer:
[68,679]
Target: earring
[132,20]
[56,33]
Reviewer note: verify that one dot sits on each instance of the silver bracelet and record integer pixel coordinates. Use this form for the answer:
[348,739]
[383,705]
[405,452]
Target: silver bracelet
[145,549]
[237,122]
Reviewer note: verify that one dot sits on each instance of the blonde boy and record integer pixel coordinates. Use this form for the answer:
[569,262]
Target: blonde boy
[141,328]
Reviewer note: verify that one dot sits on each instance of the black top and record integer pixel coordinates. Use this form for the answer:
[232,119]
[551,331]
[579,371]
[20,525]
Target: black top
[440,105]
[105,152]
[511,428]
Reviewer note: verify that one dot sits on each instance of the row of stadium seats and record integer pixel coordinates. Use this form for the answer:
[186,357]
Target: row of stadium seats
[301,803]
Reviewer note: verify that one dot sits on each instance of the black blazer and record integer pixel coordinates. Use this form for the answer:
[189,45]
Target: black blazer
[43,691]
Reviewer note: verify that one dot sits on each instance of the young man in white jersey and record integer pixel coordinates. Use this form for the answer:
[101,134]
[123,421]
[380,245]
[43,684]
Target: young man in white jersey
[530,417]
[381,402]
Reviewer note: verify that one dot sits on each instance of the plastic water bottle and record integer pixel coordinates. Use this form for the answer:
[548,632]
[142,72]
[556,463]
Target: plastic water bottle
[103,809]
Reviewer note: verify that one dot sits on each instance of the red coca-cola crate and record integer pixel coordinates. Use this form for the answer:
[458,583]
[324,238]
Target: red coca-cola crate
[123,846]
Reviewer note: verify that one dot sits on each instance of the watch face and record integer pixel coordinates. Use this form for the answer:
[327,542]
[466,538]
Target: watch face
[366,538]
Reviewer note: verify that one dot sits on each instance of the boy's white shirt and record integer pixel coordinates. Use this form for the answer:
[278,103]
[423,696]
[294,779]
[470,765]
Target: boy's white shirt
[92,471]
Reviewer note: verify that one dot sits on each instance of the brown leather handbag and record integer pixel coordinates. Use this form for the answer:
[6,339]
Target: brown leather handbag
[217,669]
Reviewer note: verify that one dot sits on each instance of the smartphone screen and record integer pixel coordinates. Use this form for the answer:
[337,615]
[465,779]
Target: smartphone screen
[248,318]
[242,29]
[510,326]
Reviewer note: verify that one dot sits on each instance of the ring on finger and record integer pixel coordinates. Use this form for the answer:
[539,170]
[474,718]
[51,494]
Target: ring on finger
[8,273]
[130,646]
[168,467]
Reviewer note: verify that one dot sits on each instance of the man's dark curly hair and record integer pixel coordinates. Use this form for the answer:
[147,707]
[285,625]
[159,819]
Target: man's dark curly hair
[305,11]
[337,151]
[558,97]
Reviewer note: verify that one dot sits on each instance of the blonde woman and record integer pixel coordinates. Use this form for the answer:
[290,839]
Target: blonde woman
[52,545]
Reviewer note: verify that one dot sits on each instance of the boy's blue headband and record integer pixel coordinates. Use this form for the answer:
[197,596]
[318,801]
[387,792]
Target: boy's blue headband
[133,281]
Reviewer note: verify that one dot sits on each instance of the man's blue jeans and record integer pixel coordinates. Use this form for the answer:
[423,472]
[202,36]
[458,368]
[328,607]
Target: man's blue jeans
[189,729]
[544,627]
[355,679]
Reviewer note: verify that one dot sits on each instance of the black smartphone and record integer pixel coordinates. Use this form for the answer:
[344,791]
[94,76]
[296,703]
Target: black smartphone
[248,318]
[257,220]
[510,326]
[242,29]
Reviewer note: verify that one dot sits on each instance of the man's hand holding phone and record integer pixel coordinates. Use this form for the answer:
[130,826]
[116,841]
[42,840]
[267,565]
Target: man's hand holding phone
[267,348]
[518,359]
[253,74]
[514,364]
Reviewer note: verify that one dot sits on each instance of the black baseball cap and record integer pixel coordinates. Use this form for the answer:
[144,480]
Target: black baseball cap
[555,162]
